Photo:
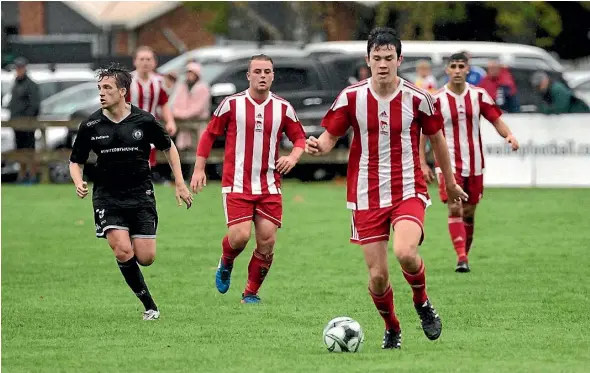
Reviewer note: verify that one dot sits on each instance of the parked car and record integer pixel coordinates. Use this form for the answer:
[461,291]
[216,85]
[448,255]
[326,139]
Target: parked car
[579,81]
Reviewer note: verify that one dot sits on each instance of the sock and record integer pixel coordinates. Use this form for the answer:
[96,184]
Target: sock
[229,253]
[418,283]
[257,271]
[384,304]
[469,223]
[134,279]
[458,236]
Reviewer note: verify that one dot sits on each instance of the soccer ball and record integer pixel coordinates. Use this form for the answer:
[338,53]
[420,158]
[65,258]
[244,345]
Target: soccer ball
[343,334]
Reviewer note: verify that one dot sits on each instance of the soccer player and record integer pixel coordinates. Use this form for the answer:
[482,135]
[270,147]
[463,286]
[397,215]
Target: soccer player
[148,91]
[253,122]
[123,195]
[462,105]
[385,186]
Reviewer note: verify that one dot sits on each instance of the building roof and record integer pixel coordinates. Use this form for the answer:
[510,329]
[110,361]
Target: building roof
[128,14]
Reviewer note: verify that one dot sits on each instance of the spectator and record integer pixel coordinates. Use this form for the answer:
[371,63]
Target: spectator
[501,87]
[25,102]
[558,98]
[364,73]
[424,77]
[192,101]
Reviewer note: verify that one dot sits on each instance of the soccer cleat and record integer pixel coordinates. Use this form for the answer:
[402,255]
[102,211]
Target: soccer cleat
[392,340]
[151,315]
[250,299]
[223,277]
[431,323]
[462,267]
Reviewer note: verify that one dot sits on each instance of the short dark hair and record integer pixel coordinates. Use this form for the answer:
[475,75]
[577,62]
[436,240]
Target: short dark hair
[121,75]
[259,57]
[461,56]
[381,36]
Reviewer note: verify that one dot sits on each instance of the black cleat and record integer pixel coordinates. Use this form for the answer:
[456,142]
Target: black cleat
[392,340]
[462,267]
[431,323]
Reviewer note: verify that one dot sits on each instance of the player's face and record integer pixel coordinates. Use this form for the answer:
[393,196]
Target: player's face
[457,71]
[145,62]
[110,95]
[260,75]
[383,62]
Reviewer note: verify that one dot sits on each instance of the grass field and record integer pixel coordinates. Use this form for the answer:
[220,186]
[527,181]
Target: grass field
[66,308]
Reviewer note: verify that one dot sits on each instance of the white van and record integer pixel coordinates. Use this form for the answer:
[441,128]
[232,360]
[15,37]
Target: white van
[437,51]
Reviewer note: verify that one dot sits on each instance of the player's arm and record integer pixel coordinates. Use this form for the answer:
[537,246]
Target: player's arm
[216,127]
[426,170]
[336,122]
[432,124]
[167,113]
[493,114]
[296,134]
[78,157]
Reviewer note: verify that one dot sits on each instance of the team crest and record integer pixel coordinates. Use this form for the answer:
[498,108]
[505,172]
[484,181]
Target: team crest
[137,134]
[258,126]
[384,127]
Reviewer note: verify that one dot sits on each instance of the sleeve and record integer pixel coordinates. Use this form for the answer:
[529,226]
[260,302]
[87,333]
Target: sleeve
[488,107]
[220,118]
[205,144]
[163,98]
[336,120]
[293,128]
[82,146]
[158,135]
[562,98]
[429,115]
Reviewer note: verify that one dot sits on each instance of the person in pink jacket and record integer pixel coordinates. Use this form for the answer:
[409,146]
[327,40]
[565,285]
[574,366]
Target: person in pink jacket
[192,101]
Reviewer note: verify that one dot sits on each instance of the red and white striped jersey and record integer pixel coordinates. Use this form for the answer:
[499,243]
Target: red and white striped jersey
[148,96]
[461,114]
[384,163]
[253,132]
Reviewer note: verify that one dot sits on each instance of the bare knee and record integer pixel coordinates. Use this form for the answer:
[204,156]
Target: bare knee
[145,259]
[406,254]
[145,251]
[122,250]
[378,279]
[455,209]
[239,236]
[468,212]
[265,242]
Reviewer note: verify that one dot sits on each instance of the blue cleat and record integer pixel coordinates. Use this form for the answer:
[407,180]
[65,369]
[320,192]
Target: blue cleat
[250,299]
[223,277]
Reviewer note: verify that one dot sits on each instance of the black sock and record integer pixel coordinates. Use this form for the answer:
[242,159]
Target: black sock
[134,279]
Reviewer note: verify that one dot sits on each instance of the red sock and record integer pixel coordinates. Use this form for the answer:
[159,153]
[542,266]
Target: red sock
[469,225]
[257,271]
[458,236]
[384,304]
[418,283]
[229,253]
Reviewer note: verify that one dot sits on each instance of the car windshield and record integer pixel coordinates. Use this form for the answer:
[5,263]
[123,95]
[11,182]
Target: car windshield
[70,100]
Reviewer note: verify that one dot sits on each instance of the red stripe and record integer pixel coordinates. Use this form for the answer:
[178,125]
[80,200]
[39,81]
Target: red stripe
[395,145]
[140,96]
[455,120]
[469,123]
[480,97]
[419,183]
[152,98]
[373,130]
[249,146]
[354,157]
[268,119]
[229,160]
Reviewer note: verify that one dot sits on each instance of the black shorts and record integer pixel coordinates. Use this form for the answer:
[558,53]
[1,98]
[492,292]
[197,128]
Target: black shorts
[141,222]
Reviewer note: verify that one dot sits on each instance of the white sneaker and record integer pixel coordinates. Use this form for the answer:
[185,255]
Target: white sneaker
[151,315]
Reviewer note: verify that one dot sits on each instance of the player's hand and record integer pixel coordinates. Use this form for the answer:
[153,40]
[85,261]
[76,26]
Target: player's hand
[183,194]
[171,128]
[427,172]
[513,142]
[286,164]
[312,146]
[198,181]
[455,193]
[82,189]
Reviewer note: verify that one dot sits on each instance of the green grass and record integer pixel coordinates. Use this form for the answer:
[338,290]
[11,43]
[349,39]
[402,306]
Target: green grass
[66,308]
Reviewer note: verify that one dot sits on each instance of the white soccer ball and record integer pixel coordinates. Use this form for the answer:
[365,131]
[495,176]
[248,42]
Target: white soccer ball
[343,334]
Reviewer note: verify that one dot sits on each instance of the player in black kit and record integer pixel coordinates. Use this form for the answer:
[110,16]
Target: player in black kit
[123,197]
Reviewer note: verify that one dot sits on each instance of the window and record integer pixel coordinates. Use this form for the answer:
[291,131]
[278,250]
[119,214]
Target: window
[293,79]
[584,86]
[237,78]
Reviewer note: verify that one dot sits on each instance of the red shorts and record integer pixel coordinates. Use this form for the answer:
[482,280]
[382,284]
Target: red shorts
[374,225]
[472,185]
[243,207]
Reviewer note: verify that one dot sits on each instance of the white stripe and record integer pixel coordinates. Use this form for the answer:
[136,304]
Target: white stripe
[463,140]
[143,236]
[157,90]
[448,123]
[362,187]
[384,154]
[134,94]
[224,196]
[477,156]
[257,148]
[408,179]
[274,135]
[240,144]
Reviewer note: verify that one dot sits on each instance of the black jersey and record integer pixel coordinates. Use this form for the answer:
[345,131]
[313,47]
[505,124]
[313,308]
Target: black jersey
[123,176]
